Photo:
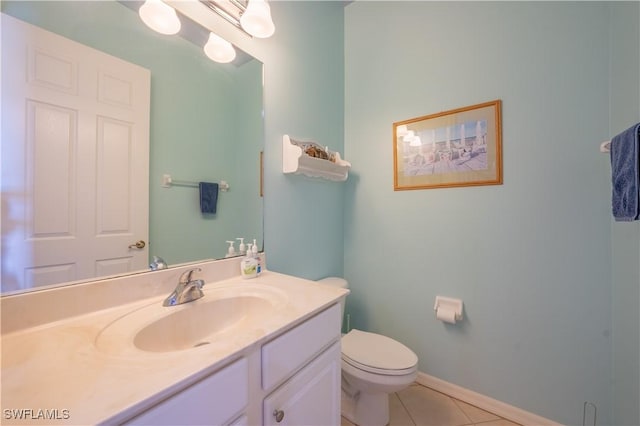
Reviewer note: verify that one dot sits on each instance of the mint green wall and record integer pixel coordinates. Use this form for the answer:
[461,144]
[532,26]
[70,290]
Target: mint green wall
[531,258]
[248,134]
[304,95]
[625,111]
[191,124]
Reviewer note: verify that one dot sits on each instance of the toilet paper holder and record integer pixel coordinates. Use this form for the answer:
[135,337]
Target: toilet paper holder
[449,304]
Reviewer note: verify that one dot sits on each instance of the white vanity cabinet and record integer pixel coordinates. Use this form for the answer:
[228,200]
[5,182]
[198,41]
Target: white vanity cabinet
[311,397]
[218,399]
[293,379]
[307,359]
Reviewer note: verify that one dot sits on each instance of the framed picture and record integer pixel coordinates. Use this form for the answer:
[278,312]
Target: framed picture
[461,147]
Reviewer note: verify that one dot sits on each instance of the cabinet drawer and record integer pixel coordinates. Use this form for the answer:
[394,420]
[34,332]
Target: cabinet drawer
[213,400]
[311,397]
[287,353]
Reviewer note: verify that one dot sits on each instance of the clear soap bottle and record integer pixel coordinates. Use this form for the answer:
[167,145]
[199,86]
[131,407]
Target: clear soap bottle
[256,256]
[249,265]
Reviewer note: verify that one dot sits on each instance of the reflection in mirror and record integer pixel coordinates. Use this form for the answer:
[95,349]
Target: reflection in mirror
[205,126]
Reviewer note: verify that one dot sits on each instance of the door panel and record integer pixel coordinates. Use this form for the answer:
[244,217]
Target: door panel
[75,160]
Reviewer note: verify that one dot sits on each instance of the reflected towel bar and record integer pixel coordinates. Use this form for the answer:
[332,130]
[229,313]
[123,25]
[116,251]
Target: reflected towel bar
[168,182]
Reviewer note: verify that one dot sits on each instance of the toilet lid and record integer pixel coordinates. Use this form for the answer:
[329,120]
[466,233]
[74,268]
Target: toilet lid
[376,352]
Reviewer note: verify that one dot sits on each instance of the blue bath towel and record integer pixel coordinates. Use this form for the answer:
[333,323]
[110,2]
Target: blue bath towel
[625,174]
[208,197]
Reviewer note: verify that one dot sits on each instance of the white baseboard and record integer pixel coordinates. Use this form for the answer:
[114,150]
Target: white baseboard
[494,406]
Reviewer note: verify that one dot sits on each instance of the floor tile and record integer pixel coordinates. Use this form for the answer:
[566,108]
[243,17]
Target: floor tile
[421,406]
[398,415]
[346,422]
[475,414]
[499,422]
[430,408]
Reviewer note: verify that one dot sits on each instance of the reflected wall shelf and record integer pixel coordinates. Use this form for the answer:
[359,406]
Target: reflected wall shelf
[296,160]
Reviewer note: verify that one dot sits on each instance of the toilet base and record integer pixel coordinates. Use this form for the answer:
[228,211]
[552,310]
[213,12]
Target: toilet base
[366,409]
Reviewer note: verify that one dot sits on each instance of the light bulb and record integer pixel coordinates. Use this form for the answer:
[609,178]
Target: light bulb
[159,17]
[256,19]
[219,49]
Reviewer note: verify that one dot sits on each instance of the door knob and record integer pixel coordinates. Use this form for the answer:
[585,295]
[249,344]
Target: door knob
[279,415]
[139,245]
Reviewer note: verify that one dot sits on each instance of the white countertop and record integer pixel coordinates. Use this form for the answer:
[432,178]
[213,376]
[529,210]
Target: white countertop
[57,366]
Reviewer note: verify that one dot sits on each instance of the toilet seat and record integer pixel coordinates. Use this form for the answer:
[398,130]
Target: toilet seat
[377,354]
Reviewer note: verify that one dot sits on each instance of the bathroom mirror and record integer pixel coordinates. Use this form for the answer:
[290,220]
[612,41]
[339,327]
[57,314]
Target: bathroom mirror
[206,124]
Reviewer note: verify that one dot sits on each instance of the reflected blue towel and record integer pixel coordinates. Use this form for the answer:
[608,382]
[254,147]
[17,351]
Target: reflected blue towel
[208,197]
[625,174]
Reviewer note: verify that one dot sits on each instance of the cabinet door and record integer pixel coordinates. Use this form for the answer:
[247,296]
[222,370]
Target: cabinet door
[214,400]
[287,353]
[311,397]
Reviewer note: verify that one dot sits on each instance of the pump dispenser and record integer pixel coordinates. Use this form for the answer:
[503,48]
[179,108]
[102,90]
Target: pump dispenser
[231,251]
[256,256]
[249,265]
[242,247]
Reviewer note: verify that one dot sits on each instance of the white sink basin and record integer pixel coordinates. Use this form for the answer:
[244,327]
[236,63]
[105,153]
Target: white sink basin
[208,320]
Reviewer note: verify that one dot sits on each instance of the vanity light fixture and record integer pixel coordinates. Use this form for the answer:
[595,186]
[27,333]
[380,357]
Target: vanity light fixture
[219,49]
[160,17]
[256,19]
[251,16]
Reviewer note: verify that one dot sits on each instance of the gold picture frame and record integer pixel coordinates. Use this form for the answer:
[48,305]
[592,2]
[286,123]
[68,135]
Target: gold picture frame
[460,147]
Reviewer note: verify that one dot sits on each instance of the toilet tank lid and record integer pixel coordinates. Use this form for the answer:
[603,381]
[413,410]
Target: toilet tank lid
[334,282]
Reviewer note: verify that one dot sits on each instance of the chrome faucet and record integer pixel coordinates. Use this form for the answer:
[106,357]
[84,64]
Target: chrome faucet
[187,290]
[157,264]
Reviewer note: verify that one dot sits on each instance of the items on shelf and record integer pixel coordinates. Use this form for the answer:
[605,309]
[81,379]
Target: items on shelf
[311,159]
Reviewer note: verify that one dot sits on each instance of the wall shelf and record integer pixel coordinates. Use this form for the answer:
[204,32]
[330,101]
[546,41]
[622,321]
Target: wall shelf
[296,160]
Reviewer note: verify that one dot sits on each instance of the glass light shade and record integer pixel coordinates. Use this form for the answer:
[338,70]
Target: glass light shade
[159,17]
[256,19]
[416,141]
[219,49]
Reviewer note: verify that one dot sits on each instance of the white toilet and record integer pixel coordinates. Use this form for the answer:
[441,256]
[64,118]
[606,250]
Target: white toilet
[373,366]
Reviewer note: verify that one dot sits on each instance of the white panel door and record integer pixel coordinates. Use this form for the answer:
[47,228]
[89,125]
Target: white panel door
[75,160]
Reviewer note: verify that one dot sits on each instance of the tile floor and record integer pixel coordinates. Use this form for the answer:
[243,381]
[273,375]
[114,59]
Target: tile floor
[418,405]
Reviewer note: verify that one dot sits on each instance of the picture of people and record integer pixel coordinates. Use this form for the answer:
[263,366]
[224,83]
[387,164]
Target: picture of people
[459,148]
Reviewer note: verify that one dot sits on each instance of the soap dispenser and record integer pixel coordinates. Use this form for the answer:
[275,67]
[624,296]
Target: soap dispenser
[249,266]
[242,247]
[256,256]
[231,251]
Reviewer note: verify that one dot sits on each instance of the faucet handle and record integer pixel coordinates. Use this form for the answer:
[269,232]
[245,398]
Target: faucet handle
[158,263]
[185,278]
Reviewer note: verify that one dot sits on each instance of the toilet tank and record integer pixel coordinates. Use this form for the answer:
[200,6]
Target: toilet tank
[336,282]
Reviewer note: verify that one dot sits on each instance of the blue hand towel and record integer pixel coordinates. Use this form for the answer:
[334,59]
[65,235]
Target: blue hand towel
[208,197]
[625,174]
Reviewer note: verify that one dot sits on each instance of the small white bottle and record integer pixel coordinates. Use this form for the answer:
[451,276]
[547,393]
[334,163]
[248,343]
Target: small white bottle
[231,251]
[242,247]
[249,266]
[256,256]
